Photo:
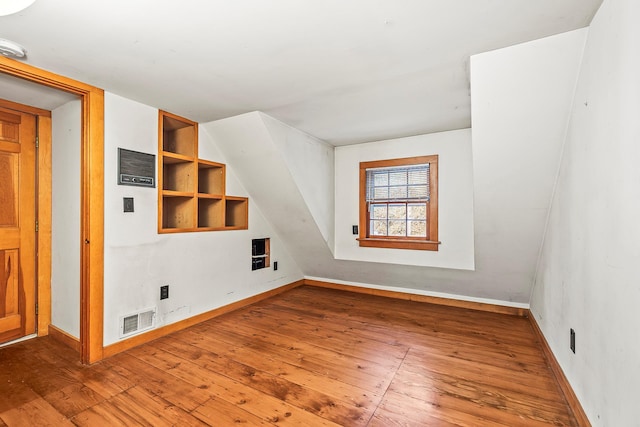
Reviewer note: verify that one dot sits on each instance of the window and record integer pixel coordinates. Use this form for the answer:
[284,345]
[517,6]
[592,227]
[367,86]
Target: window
[399,203]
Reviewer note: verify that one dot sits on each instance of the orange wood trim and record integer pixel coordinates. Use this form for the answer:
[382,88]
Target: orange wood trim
[267,252]
[170,157]
[92,253]
[364,224]
[24,108]
[565,387]
[420,245]
[480,306]
[433,202]
[160,171]
[196,155]
[44,224]
[43,77]
[174,193]
[63,337]
[181,119]
[399,162]
[431,243]
[92,216]
[183,324]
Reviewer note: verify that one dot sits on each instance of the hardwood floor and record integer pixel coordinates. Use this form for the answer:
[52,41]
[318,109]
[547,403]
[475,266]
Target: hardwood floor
[308,357]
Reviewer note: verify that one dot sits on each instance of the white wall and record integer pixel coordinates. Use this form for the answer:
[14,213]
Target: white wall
[521,99]
[455,199]
[257,150]
[588,276]
[311,164]
[205,270]
[278,182]
[65,218]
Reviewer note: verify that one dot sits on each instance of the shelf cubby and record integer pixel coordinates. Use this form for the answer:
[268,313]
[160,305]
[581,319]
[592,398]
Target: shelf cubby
[178,135]
[178,176]
[210,213]
[236,212]
[211,178]
[177,212]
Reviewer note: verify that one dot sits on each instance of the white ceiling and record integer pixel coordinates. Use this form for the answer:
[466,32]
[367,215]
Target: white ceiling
[343,71]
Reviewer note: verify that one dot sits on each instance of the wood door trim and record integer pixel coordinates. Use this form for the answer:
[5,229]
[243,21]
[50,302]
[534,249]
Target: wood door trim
[44,224]
[92,204]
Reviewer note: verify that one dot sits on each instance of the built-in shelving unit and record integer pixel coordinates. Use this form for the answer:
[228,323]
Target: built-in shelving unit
[192,190]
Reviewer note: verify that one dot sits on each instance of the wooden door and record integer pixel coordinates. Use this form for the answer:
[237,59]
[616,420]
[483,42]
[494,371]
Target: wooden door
[17,224]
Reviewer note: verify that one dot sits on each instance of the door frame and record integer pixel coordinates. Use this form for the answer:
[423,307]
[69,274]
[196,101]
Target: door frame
[91,208]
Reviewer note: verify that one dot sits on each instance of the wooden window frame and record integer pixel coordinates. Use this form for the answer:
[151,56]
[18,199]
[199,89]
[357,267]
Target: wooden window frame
[428,243]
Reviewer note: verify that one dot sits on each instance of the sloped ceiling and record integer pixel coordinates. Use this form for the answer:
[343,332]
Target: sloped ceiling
[344,72]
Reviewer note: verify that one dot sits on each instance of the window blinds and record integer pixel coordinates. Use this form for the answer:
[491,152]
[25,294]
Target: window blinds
[400,183]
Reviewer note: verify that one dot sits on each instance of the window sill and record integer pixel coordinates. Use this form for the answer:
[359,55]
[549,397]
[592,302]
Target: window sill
[420,245]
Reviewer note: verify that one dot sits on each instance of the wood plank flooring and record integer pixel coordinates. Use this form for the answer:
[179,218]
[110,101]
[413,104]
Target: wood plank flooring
[308,357]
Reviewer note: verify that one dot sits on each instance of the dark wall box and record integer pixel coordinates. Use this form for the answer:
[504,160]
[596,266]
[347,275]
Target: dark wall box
[135,168]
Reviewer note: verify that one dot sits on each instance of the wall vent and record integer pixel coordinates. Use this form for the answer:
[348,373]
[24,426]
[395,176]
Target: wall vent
[137,322]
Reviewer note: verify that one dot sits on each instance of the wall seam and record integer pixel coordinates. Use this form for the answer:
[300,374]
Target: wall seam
[557,177]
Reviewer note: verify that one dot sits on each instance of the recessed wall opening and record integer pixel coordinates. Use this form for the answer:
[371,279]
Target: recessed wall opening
[260,249]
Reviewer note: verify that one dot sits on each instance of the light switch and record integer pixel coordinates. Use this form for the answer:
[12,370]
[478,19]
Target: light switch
[128,204]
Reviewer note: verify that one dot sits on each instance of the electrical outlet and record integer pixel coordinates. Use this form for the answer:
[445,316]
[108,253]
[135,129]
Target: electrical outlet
[354,229]
[572,340]
[164,292]
[275,265]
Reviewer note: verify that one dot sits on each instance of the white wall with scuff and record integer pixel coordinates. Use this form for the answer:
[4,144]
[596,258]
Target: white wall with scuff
[588,276]
[204,270]
[455,199]
[65,217]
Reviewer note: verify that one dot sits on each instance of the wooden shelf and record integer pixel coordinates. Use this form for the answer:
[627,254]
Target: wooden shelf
[177,212]
[168,157]
[191,194]
[210,213]
[178,135]
[211,177]
[178,176]
[236,212]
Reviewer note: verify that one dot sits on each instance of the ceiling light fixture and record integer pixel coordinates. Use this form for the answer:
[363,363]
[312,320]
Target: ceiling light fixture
[7,7]
[11,49]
